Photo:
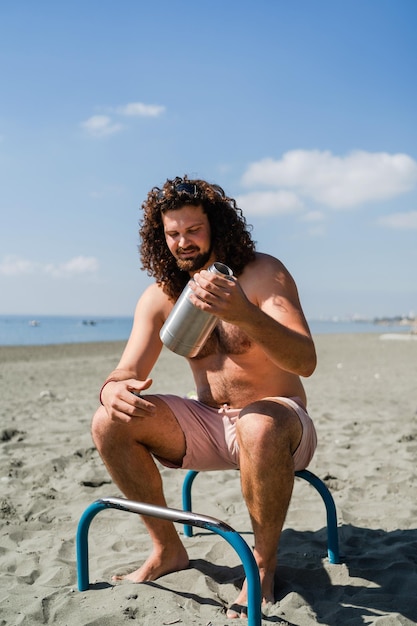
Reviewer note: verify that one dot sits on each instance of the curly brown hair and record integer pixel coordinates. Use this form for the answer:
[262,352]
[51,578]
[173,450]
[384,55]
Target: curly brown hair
[230,234]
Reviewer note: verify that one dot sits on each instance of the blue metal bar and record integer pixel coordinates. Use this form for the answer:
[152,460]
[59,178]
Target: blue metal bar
[186,498]
[332,531]
[174,515]
[315,481]
[82,542]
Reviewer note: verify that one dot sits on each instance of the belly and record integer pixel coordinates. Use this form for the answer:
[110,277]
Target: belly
[239,379]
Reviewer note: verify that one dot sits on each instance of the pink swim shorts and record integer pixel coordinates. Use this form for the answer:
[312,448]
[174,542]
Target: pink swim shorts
[210,434]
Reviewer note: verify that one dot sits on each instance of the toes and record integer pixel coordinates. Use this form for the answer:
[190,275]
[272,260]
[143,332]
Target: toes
[236,610]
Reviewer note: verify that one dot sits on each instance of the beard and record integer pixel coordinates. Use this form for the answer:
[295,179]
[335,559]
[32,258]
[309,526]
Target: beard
[194,264]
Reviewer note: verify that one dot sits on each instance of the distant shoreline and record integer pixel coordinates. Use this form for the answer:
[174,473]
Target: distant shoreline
[92,348]
[59,330]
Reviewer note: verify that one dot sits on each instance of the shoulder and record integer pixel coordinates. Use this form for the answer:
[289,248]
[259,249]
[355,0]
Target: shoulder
[154,302]
[267,276]
[144,344]
[265,263]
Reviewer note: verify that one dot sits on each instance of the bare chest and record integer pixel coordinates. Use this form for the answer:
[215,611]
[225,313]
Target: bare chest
[225,339]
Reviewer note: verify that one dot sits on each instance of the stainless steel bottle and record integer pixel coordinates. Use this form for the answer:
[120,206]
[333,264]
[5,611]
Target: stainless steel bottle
[187,328]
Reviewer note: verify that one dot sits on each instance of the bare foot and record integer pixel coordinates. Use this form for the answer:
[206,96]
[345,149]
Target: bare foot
[156,565]
[236,610]
[239,608]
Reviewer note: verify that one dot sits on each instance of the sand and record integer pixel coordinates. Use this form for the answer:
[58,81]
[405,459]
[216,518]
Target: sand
[363,398]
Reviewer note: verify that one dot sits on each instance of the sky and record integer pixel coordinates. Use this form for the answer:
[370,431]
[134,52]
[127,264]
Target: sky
[305,111]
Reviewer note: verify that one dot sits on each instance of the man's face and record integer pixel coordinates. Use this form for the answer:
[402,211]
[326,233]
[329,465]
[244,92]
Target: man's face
[187,233]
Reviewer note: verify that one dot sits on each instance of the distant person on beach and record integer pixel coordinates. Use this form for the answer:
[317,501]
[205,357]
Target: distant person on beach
[250,411]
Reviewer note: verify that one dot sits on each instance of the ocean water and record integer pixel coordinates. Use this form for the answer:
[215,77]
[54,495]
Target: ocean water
[19,330]
[46,330]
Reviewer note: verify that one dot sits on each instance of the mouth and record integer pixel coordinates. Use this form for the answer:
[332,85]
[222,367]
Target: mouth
[185,254]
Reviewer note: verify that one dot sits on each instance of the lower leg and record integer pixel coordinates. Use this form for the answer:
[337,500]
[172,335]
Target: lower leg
[134,471]
[266,444]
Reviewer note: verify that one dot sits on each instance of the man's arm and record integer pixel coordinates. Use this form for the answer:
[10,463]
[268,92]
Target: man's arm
[138,358]
[264,303]
[292,350]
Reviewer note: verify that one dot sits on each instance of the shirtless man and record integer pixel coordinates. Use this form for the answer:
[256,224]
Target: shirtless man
[250,413]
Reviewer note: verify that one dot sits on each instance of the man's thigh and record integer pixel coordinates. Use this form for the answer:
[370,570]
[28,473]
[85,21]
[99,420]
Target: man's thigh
[161,432]
[307,442]
[210,434]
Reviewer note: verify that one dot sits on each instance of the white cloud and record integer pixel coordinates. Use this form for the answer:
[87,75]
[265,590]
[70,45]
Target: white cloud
[313,216]
[13,265]
[400,221]
[101,126]
[317,231]
[315,223]
[337,182]
[139,109]
[269,203]
[76,266]
[104,125]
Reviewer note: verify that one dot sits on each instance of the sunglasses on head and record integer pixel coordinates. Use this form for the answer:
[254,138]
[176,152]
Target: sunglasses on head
[180,188]
[186,188]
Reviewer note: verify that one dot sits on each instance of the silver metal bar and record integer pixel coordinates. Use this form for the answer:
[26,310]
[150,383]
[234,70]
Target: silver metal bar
[172,515]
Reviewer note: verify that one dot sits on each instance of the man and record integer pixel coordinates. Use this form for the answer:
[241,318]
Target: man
[250,413]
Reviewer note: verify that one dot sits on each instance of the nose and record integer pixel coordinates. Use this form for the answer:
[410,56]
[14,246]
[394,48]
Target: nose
[183,241]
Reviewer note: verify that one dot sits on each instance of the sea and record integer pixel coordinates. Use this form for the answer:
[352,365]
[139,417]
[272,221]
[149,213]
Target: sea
[24,330]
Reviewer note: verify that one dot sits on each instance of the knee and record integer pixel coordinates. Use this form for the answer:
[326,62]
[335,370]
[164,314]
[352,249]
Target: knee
[109,434]
[266,423]
[255,422]
[100,427]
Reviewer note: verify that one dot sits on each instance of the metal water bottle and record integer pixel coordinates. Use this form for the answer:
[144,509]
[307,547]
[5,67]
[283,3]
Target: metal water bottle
[187,328]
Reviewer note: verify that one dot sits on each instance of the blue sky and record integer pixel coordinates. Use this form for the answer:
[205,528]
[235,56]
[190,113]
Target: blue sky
[304,110]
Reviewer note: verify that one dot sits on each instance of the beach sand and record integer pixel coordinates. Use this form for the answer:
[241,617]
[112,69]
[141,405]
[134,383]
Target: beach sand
[363,398]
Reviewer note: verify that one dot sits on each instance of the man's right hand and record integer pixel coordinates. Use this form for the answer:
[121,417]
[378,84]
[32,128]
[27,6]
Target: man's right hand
[122,399]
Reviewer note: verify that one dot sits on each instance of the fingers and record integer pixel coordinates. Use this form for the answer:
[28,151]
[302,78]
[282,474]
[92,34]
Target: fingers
[127,403]
[220,295]
[134,404]
[206,284]
[137,386]
[207,279]
[125,411]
